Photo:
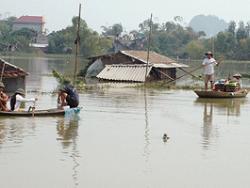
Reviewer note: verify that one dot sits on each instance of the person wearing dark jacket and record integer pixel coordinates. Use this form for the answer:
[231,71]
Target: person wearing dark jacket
[68,96]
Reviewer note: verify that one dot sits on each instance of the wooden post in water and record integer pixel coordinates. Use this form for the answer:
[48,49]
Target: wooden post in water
[149,40]
[1,79]
[77,43]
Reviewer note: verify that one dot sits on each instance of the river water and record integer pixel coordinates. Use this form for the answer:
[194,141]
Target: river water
[117,139]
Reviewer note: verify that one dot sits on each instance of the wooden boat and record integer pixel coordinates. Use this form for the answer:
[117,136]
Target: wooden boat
[48,112]
[221,94]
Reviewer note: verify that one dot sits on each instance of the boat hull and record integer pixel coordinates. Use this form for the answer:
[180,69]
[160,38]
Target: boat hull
[220,94]
[48,112]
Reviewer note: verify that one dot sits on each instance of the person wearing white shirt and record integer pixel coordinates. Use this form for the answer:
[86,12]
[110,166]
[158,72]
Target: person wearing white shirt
[18,98]
[208,63]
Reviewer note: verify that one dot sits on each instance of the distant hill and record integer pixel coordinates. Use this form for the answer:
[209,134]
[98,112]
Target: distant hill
[210,24]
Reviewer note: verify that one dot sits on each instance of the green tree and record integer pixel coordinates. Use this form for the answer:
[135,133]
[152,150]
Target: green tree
[241,31]
[225,44]
[195,49]
[114,30]
[232,27]
[91,43]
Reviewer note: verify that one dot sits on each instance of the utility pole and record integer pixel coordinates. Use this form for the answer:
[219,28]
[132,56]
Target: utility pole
[77,43]
[149,41]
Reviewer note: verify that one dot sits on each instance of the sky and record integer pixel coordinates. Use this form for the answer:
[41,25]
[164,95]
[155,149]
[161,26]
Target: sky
[129,13]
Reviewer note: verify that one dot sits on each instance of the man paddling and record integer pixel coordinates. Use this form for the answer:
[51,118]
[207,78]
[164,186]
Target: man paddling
[208,63]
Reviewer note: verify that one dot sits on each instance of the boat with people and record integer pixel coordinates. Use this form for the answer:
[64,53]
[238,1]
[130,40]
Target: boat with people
[47,112]
[225,88]
[221,94]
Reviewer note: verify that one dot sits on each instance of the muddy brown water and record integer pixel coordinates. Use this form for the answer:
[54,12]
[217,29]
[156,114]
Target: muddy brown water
[117,140]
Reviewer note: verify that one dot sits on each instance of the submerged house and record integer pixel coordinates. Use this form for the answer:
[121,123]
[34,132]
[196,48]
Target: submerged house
[131,66]
[12,76]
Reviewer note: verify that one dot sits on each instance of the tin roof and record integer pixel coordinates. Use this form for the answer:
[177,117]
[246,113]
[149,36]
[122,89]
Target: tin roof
[11,71]
[30,19]
[120,72]
[154,58]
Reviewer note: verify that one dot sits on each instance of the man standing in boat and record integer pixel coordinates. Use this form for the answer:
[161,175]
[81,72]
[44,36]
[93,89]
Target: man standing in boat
[208,63]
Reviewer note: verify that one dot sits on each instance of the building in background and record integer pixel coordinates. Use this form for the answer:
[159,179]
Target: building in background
[35,23]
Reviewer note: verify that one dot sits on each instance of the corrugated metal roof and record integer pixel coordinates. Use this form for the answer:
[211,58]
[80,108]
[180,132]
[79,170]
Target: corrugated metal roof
[154,58]
[11,71]
[120,72]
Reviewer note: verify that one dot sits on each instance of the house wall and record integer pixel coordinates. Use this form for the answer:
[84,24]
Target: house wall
[36,27]
[160,74]
[12,84]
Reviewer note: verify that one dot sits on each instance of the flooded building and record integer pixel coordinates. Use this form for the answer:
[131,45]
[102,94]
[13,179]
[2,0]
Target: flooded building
[132,66]
[12,76]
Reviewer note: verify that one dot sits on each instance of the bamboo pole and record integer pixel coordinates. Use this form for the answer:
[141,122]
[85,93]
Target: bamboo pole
[1,79]
[149,40]
[77,43]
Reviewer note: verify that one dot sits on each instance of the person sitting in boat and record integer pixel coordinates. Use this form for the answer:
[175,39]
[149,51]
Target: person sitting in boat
[208,63]
[237,78]
[68,96]
[3,98]
[18,98]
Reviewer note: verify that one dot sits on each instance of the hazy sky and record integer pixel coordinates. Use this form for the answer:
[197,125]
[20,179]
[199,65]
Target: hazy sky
[129,13]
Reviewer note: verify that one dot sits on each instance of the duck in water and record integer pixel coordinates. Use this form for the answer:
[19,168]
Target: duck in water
[165,137]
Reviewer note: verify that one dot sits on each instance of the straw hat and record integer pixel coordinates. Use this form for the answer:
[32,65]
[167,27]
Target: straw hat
[20,91]
[208,53]
[237,75]
[2,85]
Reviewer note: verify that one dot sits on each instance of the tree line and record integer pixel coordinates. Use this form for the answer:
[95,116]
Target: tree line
[170,38]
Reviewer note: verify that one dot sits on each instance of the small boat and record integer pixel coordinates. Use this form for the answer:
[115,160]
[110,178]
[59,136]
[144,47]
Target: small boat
[48,112]
[221,94]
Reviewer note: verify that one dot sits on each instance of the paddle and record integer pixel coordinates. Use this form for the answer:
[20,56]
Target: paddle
[33,108]
[197,68]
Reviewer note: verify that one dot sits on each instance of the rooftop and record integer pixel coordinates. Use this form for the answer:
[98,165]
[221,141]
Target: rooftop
[154,58]
[30,19]
[134,73]
[10,71]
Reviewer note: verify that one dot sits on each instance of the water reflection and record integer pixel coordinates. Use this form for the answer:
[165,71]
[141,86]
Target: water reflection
[229,107]
[67,130]
[207,124]
[146,129]
[225,107]
[12,130]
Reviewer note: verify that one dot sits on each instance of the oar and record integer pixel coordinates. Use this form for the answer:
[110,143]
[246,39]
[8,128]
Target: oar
[33,109]
[169,77]
[189,72]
